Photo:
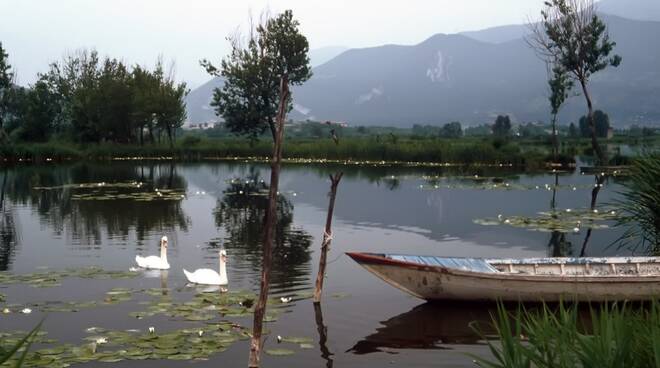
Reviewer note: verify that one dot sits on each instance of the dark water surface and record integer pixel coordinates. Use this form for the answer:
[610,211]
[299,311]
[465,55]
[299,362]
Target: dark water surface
[363,322]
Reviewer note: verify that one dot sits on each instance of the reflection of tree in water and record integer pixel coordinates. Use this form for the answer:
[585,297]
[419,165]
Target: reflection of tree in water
[241,213]
[558,246]
[88,221]
[8,233]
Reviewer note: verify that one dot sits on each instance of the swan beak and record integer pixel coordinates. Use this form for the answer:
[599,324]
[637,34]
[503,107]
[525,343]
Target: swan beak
[224,258]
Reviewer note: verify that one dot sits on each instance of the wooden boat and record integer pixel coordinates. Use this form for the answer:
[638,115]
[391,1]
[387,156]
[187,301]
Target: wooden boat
[528,280]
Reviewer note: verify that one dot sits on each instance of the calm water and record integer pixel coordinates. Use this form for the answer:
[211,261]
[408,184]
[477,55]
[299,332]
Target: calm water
[379,209]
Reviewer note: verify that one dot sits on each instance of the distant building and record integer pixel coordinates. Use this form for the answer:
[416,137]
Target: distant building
[200,126]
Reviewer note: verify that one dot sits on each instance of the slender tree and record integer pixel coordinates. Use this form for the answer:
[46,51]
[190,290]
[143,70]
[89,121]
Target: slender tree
[256,97]
[6,83]
[559,85]
[572,37]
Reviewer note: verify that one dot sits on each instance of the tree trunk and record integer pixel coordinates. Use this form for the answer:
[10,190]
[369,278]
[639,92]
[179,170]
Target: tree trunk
[600,154]
[327,236]
[269,227]
[555,142]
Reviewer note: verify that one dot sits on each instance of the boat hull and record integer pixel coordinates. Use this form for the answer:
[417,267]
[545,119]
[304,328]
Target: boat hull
[441,283]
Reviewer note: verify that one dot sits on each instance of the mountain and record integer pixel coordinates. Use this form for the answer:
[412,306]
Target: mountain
[197,101]
[460,77]
[498,34]
[632,9]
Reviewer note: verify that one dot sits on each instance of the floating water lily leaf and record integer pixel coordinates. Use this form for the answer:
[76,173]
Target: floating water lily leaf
[565,221]
[297,340]
[306,346]
[280,352]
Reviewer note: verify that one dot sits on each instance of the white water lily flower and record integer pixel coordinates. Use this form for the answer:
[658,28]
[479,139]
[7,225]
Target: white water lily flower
[200,333]
[133,269]
[279,339]
[576,229]
[6,311]
[101,340]
[26,311]
[152,329]
[285,300]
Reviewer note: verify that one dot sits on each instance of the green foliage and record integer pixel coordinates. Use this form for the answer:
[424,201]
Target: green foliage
[502,126]
[249,98]
[24,344]
[640,205]
[103,100]
[616,336]
[602,124]
[573,131]
[451,130]
[6,85]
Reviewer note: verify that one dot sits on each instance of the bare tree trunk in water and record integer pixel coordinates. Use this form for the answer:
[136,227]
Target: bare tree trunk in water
[600,154]
[600,179]
[269,227]
[327,236]
[323,335]
[555,141]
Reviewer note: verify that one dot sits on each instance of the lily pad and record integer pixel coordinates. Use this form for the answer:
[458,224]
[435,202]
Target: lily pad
[279,352]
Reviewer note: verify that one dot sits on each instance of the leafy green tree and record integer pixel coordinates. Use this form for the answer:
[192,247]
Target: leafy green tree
[248,100]
[171,107]
[602,124]
[502,126]
[41,110]
[573,131]
[6,85]
[559,84]
[255,97]
[451,130]
[572,37]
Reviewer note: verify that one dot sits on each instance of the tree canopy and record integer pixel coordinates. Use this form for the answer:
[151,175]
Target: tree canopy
[502,126]
[249,98]
[91,100]
[602,121]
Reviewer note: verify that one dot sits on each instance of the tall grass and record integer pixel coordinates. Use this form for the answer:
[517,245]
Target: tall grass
[640,205]
[614,336]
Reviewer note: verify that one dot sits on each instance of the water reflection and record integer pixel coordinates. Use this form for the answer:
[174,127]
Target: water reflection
[428,326]
[241,211]
[89,222]
[8,234]
[558,245]
[322,329]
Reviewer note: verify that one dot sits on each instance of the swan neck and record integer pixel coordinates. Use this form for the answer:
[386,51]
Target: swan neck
[163,253]
[223,269]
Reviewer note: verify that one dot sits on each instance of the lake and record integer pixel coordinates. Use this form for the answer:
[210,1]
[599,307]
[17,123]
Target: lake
[51,223]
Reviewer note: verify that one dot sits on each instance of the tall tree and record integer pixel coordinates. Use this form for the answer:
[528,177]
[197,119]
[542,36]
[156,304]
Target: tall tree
[559,85]
[572,36]
[502,126]
[256,97]
[6,85]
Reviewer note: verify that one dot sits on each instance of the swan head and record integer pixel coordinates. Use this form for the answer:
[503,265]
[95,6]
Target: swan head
[223,255]
[163,241]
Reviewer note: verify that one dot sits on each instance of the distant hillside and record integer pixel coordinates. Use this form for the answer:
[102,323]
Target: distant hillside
[472,77]
[633,9]
[198,100]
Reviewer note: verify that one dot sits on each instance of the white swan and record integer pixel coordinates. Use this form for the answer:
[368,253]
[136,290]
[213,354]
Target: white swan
[207,276]
[154,262]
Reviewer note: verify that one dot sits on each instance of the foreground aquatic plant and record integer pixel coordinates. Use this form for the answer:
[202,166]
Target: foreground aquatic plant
[10,354]
[641,205]
[616,335]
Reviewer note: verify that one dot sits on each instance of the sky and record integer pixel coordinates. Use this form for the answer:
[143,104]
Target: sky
[38,32]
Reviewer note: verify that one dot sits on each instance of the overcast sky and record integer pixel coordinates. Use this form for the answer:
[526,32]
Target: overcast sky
[37,32]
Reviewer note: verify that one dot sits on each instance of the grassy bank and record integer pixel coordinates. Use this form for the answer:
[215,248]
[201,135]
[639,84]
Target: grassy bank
[457,151]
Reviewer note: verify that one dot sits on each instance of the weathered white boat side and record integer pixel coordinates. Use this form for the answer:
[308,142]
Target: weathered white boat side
[533,279]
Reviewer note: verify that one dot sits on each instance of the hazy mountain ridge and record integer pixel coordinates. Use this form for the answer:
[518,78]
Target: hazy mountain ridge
[461,77]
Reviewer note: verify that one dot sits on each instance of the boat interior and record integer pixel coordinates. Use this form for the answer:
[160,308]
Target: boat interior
[590,266]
